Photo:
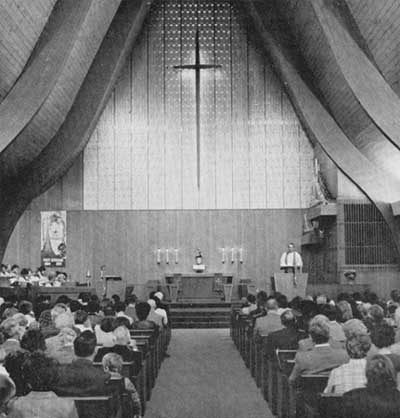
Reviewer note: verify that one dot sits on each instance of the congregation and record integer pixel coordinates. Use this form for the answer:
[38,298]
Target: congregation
[53,353]
[352,344]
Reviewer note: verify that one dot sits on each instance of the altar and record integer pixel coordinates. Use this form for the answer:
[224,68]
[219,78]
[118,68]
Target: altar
[199,285]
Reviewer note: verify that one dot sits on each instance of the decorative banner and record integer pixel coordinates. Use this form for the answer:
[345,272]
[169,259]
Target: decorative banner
[53,238]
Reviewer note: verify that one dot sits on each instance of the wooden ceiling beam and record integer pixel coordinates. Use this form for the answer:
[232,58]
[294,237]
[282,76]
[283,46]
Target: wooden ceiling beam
[43,68]
[367,84]
[322,128]
[55,160]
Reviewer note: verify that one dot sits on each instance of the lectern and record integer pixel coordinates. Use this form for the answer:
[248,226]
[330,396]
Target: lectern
[115,286]
[290,284]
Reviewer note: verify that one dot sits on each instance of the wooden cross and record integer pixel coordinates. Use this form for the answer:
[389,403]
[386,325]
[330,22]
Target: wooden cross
[197,67]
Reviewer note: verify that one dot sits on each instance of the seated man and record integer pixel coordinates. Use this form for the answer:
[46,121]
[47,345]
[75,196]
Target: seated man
[286,338]
[81,378]
[265,325]
[142,312]
[322,357]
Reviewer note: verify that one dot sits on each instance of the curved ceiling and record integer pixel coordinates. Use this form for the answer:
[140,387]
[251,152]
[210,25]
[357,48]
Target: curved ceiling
[378,24]
[70,42]
[21,23]
[316,37]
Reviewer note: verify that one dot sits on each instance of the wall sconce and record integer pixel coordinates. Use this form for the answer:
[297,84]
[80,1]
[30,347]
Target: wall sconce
[223,255]
[158,256]
[232,255]
[176,256]
[167,256]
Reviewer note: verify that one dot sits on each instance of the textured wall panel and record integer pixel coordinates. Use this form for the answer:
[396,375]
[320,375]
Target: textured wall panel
[253,152]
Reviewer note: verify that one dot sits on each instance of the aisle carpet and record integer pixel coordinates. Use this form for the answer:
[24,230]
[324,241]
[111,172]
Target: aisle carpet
[205,377]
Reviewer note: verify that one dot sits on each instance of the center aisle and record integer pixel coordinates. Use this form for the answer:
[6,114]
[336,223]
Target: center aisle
[205,377]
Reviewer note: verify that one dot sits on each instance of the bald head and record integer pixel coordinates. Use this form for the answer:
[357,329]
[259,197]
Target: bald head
[272,305]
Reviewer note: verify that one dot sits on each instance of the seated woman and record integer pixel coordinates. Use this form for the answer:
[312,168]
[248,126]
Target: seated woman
[41,374]
[380,398]
[104,332]
[351,375]
[123,345]
[142,312]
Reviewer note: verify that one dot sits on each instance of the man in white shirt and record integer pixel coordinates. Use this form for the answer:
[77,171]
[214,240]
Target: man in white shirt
[291,260]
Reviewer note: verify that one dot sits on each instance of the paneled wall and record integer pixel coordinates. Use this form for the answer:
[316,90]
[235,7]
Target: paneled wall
[143,153]
[135,189]
[127,241]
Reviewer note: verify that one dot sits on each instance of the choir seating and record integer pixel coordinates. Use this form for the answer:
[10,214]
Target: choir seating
[272,377]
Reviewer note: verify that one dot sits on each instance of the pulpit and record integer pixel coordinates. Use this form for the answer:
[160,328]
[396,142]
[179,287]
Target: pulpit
[115,286]
[290,284]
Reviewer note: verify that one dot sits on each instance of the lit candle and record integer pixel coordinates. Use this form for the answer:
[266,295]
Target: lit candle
[158,256]
[232,255]
[241,255]
[223,256]
[176,256]
[167,256]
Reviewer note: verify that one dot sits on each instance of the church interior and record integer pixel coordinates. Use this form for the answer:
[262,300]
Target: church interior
[200,208]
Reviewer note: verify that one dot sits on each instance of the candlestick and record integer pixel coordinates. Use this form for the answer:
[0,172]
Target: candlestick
[176,256]
[158,256]
[241,255]
[223,256]
[232,255]
[167,256]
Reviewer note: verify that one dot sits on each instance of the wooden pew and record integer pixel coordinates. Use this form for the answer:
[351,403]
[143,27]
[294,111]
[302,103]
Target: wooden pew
[282,366]
[308,391]
[330,405]
[102,406]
